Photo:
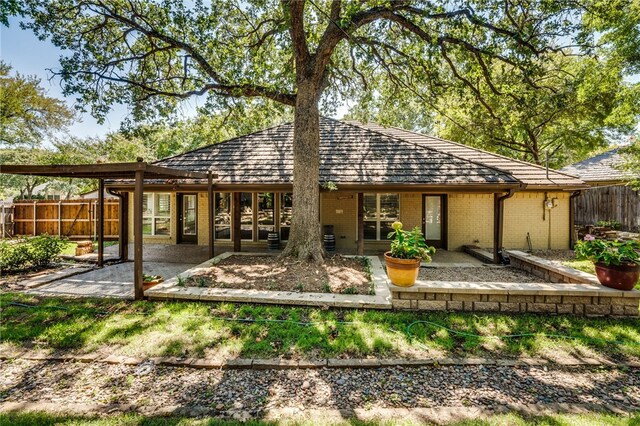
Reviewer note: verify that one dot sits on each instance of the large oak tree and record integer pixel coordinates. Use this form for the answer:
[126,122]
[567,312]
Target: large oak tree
[299,53]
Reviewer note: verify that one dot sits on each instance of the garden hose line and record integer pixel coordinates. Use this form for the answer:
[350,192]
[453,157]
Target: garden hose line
[407,330]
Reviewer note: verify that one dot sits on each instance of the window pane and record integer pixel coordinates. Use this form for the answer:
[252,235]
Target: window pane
[146,226]
[432,218]
[223,232]
[162,204]
[370,209]
[266,215]
[223,208]
[370,231]
[286,204]
[146,205]
[246,215]
[162,226]
[389,208]
[385,228]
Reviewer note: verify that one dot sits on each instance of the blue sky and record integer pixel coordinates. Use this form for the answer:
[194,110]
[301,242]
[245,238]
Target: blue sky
[30,56]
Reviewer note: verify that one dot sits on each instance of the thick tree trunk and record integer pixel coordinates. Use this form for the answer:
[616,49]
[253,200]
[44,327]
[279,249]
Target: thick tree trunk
[304,237]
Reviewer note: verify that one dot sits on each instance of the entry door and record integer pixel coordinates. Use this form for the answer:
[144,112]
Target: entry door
[435,220]
[187,218]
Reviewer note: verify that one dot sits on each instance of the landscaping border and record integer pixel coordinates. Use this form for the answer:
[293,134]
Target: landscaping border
[170,290]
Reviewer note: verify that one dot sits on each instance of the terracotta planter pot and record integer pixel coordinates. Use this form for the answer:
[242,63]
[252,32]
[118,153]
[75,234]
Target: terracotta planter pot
[402,272]
[148,284]
[620,277]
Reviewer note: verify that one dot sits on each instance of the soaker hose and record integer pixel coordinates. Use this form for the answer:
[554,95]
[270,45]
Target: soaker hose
[407,329]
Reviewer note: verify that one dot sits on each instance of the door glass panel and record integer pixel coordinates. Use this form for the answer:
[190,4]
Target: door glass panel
[433,210]
[189,214]
[246,215]
[223,216]
[286,206]
[266,215]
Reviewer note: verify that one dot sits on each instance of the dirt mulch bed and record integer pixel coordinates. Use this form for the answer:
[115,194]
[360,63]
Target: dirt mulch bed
[337,274]
[13,281]
[480,274]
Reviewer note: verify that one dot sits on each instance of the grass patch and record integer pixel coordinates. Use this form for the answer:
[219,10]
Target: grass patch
[226,330]
[41,419]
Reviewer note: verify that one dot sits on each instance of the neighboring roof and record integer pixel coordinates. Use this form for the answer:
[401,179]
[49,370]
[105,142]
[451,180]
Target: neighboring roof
[600,168]
[532,175]
[349,154]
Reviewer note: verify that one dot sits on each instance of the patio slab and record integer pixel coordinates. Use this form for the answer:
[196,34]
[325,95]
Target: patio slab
[110,281]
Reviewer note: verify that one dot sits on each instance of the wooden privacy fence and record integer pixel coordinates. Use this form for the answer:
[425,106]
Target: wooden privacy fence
[619,203]
[75,219]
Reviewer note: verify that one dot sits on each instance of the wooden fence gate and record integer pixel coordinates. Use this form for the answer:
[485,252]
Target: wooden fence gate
[74,219]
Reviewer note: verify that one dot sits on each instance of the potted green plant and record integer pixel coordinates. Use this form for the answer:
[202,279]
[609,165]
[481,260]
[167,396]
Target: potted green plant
[149,281]
[617,262]
[408,249]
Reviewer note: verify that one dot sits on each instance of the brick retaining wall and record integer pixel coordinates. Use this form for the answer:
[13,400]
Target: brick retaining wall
[548,270]
[576,299]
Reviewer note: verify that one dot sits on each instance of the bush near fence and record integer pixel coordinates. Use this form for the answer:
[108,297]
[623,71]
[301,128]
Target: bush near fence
[24,253]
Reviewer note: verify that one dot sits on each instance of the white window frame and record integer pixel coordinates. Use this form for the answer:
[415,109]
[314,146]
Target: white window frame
[378,218]
[153,216]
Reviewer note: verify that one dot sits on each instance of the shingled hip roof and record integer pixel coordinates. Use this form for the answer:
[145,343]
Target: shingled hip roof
[600,168]
[355,155]
[532,175]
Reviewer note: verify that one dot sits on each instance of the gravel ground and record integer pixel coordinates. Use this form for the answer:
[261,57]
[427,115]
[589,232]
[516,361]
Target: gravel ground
[256,390]
[481,274]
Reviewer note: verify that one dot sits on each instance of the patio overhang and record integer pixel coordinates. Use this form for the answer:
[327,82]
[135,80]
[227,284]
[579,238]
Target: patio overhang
[138,171]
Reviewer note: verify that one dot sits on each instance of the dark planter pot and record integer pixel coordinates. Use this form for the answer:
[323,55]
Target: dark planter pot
[620,277]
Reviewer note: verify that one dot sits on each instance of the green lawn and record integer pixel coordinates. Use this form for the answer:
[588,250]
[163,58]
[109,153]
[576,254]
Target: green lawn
[593,419]
[218,330]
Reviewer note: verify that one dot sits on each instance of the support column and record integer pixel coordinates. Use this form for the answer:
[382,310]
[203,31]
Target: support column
[123,223]
[360,223]
[237,233]
[210,203]
[137,235]
[100,224]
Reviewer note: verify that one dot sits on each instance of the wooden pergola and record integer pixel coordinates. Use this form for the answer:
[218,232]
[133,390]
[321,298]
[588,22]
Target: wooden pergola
[138,171]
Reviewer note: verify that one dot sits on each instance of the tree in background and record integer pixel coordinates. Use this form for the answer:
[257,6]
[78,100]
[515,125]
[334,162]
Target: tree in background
[631,162]
[27,115]
[306,55]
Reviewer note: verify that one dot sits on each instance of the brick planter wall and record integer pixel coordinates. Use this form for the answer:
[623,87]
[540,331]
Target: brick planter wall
[548,270]
[576,299]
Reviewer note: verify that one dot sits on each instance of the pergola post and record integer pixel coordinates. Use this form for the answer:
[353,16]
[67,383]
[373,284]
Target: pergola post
[123,222]
[211,213]
[100,225]
[237,229]
[360,223]
[137,235]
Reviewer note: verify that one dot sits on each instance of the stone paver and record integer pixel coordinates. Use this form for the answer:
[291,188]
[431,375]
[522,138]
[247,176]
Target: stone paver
[110,281]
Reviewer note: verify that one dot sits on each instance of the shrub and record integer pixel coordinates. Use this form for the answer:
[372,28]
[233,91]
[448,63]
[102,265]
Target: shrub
[613,224]
[44,248]
[34,251]
[13,255]
[608,252]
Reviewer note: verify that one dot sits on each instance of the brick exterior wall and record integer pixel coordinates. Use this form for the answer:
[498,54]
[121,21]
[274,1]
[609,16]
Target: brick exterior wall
[524,213]
[203,219]
[470,220]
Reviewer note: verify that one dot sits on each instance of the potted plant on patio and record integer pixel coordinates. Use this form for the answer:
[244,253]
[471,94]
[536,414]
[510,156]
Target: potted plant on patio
[149,281]
[408,249]
[617,262]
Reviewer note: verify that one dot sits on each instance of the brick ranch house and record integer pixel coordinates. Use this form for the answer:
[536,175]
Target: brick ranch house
[458,195]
